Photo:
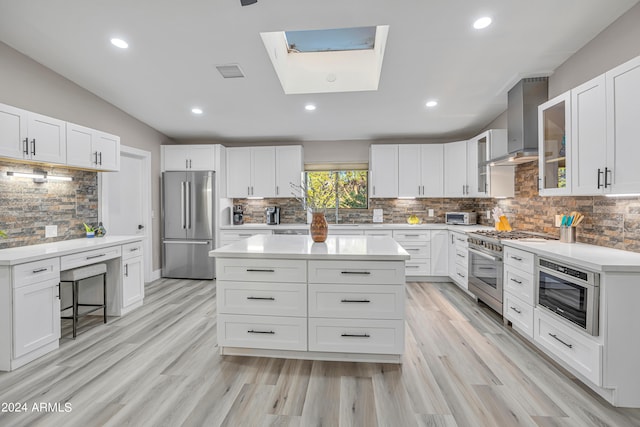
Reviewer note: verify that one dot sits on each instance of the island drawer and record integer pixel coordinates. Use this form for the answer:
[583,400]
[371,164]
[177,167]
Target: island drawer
[270,332]
[131,250]
[261,270]
[36,271]
[356,301]
[356,336]
[571,346]
[68,262]
[519,283]
[282,299]
[522,260]
[519,313]
[357,272]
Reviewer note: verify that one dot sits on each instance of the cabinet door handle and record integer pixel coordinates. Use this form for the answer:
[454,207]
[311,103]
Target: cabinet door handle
[355,272]
[355,300]
[26,146]
[517,258]
[563,342]
[262,298]
[253,331]
[516,310]
[599,175]
[186,163]
[33,146]
[40,270]
[95,256]
[517,281]
[261,270]
[356,335]
[277,190]
[190,164]
[100,158]
[126,270]
[607,172]
[374,190]
[95,160]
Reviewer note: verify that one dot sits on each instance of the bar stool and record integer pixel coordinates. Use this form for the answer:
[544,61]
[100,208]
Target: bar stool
[75,277]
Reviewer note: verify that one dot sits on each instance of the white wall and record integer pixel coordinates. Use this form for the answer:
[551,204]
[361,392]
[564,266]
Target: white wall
[27,84]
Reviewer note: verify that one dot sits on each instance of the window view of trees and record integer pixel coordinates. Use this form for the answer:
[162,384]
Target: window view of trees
[346,188]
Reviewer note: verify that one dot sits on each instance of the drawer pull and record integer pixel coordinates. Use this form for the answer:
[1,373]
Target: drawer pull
[95,256]
[261,270]
[486,268]
[411,235]
[517,281]
[461,240]
[516,310]
[245,235]
[40,270]
[355,300]
[263,298]
[461,275]
[461,256]
[517,258]
[556,337]
[412,249]
[134,249]
[355,272]
[251,331]
[356,335]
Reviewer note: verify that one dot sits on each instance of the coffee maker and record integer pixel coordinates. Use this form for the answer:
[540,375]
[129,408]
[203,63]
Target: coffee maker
[238,215]
[273,215]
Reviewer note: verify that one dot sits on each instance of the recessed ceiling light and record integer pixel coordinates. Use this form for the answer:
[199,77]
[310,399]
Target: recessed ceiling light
[432,104]
[309,107]
[196,110]
[119,43]
[481,23]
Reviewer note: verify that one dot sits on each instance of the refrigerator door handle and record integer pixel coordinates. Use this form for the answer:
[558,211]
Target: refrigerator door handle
[188,204]
[182,205]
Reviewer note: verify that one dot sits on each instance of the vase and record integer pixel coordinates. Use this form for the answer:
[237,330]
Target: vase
[319,227]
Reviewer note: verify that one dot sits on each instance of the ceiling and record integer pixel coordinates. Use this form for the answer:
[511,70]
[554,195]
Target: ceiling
[432,52]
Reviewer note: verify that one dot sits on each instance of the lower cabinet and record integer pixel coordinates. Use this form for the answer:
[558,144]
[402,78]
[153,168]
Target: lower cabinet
[418,244]
[458,259]
[519,289]
[132,282]
[266,332]
[36,316]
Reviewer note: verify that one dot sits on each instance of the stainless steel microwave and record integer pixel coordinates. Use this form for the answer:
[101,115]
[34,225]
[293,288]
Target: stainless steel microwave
[461,218]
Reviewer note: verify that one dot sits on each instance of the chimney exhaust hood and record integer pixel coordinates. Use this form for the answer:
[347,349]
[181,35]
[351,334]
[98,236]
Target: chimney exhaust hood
[522,122]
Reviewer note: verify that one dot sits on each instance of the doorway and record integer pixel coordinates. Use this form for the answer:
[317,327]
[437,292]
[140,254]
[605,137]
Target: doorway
[125,200]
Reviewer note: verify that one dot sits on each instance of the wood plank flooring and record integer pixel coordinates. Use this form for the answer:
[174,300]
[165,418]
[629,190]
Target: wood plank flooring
[160,366]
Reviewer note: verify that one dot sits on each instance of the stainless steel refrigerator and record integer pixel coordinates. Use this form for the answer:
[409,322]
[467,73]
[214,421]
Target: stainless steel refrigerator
[188,224]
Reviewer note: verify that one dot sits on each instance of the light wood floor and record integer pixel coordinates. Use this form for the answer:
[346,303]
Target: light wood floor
[159,366]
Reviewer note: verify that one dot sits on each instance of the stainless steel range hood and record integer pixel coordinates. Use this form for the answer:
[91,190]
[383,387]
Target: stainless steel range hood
[522,122]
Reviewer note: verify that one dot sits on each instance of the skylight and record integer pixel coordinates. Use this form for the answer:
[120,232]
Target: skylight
[332,40]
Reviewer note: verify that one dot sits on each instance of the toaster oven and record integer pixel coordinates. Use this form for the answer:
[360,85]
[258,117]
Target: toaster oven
[461,218]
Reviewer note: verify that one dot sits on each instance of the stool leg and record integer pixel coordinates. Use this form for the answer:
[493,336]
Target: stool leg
[104,296]
[75,308]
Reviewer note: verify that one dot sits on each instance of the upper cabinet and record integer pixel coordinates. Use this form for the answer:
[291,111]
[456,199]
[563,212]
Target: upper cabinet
[554,146]
[92,149]
[588,136]
[289,168]
[188,157]
[455,169]
[492,180]
[383,171]
[29,136]
[263,171]
[420,170]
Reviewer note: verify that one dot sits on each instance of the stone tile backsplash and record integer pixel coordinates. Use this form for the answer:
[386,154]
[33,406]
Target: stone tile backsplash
[609,221]
[27,207]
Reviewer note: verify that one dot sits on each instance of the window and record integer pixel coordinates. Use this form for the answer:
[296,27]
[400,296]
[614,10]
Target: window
[348,188]
[331,40]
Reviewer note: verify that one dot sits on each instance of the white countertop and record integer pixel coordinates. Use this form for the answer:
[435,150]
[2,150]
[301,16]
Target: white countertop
[597,258]
[22,254]
[366,248]
[426,226]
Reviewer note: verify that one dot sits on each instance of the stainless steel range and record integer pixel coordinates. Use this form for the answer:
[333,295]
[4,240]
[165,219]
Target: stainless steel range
[485,262]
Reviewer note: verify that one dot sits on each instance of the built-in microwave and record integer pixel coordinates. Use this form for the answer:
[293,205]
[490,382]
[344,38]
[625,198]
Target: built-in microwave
[460,218]
[572,293]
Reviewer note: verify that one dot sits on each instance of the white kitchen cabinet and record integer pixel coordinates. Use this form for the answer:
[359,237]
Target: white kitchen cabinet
[132,276]
[458,254]
[420,170]
[30,136]
[455,169]
[289,169]
[439,253]
[554,146]
[623,128]
[418,244]
[188,157]
[519,289]
[487,180]
[251,172]
[92,149]
[383,171]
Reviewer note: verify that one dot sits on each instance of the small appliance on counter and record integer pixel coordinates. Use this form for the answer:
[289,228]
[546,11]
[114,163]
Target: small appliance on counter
[273,215]
[238,215]
[461,218]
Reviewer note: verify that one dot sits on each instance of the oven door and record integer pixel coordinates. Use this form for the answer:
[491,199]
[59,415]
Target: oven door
[485,278]
[578,303]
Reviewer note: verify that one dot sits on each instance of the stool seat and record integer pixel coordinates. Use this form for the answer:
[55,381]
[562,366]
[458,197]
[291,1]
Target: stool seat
[83,272]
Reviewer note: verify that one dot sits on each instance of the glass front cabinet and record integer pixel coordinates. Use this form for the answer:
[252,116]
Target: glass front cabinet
[554,134]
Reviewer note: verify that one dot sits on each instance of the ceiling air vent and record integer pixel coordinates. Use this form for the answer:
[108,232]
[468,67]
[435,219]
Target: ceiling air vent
[231,71]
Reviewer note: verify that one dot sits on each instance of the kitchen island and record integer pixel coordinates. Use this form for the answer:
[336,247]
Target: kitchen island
[286,296]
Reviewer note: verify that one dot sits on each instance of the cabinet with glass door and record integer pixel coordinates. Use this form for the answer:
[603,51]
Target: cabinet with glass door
[554,142]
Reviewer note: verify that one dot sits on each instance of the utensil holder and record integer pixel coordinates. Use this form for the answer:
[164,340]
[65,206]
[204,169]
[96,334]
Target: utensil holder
[568,234]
